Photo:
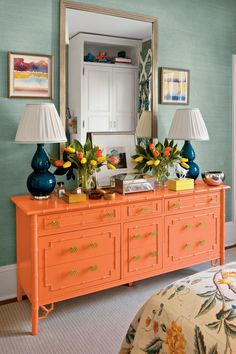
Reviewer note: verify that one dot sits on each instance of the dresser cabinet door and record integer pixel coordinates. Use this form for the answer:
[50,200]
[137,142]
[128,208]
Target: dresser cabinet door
[192,236]
[143,246]
[79,259]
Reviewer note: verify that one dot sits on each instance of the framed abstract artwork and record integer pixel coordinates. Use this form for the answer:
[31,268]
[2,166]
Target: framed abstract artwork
[30,75]
[174,86]
[119,144]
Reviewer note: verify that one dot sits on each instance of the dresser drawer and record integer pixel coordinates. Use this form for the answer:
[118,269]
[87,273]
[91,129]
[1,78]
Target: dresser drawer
[144,209]
[191,235]
[180,204]
[142,234]
[66,221]
[143,245]
[78,245]
[81,274]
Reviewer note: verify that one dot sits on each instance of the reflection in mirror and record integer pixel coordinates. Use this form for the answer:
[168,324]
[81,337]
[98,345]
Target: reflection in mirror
[110,72]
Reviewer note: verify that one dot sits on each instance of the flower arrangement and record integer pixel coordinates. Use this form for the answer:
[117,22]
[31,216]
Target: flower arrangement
[86,159]
[156,159]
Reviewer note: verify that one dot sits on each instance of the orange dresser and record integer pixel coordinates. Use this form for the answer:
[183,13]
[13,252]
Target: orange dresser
[66,250]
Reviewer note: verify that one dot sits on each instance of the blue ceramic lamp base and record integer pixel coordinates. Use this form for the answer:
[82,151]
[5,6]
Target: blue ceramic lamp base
[188,152]
[41,182]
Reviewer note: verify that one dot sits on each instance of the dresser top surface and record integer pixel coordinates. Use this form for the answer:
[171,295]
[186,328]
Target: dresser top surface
[53,204]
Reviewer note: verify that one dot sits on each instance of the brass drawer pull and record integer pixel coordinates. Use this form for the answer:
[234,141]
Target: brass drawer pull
[93,245]
[176,205]
[153,253]
[73,249]
[136,258]
[202,242]
[137,237]
[213,199]
[93,267]
[54,223]
[153,234]
[189,226]
[203,223]
[73,272]
[144,210]
[110,214]
[189,245]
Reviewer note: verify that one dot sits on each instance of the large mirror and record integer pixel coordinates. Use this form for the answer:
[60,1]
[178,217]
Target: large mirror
[108,71]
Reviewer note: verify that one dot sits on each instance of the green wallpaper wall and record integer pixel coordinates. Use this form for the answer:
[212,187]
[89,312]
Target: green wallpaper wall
[199,35]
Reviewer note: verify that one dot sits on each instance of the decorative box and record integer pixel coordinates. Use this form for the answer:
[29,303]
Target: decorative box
[176,184]
[74,198]
[133,182]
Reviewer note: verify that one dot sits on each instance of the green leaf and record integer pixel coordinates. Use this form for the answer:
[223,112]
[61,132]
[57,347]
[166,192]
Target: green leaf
[231,316]
[171,296]
[207,293]
[223,314]
[180,288]
[199,344]
[146,168]
[77,145]
[213,350]
[60,171]
[161,309]
[207,306]
[163,327]
[213,325]
[130,334]
[230,329]
[219,297]
[140,150]
[154,346]
[140,166]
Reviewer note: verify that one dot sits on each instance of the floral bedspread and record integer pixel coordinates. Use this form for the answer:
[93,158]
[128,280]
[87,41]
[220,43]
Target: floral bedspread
[194,315]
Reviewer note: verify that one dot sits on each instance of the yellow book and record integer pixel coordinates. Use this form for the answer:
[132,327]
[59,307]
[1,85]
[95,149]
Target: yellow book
[176,184]
[74,198]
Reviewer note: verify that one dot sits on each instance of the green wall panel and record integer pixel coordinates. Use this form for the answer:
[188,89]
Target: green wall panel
[199,35]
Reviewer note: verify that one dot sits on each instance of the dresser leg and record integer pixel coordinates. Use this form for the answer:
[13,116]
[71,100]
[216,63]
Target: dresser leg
[214,262]
[35,320]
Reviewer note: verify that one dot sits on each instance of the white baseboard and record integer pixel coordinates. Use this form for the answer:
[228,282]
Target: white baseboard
[8,282]
[8,273]
[230,234]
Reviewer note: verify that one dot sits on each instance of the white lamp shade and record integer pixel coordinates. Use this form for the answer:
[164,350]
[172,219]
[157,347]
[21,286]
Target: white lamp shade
[144,126]
[40,123]
[188,124]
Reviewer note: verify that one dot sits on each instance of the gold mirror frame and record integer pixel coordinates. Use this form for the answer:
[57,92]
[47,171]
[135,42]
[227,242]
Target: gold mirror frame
[89,8]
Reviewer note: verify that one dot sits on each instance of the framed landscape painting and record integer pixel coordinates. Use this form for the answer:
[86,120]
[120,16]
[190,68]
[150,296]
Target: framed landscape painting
[30,75]
[174,86]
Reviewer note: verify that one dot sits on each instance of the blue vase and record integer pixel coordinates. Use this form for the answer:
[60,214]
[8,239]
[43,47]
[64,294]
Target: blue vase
[188,152]
[41,182]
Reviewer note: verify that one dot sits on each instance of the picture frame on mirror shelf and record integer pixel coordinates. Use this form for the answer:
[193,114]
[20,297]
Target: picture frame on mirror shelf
[118,144]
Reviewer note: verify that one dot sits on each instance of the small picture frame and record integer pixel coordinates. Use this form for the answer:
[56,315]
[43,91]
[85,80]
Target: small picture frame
[175,86]
[30,75]
[121,144]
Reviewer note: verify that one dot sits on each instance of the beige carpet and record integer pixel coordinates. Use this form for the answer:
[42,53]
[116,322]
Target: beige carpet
[92,324]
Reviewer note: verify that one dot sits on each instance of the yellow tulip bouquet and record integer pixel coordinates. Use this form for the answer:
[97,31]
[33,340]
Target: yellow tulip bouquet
[156,159]
[86,159]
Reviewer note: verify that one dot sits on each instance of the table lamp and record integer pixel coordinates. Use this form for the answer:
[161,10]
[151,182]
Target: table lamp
[187,125]
[40,124]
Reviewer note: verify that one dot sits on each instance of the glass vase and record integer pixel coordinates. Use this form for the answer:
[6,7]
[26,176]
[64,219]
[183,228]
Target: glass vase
[85,180]
[161,173]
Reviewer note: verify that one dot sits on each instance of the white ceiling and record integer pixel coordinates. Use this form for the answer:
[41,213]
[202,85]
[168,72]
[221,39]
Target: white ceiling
[89,22]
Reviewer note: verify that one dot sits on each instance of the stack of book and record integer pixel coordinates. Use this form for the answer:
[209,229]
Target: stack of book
[120,60]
